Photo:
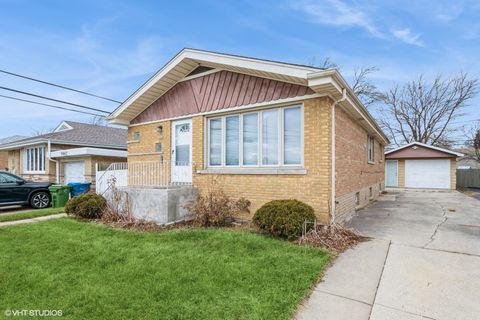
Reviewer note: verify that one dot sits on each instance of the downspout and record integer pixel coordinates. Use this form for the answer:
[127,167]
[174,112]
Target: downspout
[57,173]
[333,173]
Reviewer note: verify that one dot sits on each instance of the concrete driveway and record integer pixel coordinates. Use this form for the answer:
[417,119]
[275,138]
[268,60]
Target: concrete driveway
[424,262]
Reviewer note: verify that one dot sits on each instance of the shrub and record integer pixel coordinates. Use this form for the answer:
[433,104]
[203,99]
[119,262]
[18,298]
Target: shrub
[88,206]
[214,209]
[284,218]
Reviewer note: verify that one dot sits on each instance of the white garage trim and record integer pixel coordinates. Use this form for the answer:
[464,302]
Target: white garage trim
[431,173]
[74,171]
[77,152]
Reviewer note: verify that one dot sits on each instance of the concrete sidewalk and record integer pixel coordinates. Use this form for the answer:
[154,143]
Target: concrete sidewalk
[32,220]
[349,287]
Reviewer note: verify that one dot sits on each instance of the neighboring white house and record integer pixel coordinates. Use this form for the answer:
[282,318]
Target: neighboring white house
[67,154]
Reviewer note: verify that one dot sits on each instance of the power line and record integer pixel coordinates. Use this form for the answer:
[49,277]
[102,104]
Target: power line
[58,86]
[50,105]
[52,99]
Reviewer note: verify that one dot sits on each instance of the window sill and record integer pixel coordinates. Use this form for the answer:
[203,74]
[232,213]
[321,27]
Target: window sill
[34,172]
[371,162]
[272,171]
[133,141]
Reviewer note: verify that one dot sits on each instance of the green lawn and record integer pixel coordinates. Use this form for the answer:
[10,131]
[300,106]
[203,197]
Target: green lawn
[94,272]
[30,214]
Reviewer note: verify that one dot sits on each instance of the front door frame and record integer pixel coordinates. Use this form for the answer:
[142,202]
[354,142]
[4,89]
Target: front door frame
[180,174]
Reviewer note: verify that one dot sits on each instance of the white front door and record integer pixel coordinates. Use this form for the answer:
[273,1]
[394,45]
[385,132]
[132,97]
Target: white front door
[427,174]
[182,151]
[391,173]
[74,171]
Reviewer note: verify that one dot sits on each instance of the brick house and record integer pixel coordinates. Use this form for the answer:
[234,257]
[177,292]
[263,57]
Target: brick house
[67,154]
[264,129]
[4,154]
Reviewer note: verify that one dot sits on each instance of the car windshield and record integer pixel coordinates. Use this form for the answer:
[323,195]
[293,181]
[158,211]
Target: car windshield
[7,178]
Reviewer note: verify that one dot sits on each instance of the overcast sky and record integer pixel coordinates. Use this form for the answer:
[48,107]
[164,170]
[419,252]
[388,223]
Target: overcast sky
[111,47]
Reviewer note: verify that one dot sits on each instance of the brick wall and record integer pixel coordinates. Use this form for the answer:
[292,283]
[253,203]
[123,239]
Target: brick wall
[312,188]
[144,149]
[354,174]
[453,174]
[3,160]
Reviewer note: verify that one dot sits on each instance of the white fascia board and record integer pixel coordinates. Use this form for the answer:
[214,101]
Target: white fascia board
[458,154]
[249,63]
[19,145]
[333,79]
[78,152]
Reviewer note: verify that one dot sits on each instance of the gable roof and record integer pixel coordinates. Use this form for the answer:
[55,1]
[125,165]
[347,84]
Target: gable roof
[415,143]
[78,134]
[327,82]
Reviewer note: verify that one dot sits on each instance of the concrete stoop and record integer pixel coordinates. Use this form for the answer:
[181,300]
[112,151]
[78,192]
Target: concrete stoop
[160,205]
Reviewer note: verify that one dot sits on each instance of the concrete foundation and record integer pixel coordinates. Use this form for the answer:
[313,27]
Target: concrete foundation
[161,205]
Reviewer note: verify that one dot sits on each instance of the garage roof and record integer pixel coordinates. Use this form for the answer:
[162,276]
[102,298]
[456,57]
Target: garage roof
[420,150]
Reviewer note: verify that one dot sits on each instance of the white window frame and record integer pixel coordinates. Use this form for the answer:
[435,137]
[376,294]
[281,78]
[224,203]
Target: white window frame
[259,164]
[370,146]
[38,163]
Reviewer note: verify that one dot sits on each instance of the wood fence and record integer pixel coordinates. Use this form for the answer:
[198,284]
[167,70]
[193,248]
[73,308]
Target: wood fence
[468,178]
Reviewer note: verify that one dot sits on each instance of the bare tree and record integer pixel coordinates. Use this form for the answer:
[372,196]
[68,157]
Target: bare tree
[473,142]
[324,63]
[476,144]
[364,88]
[361,85]
[42,131]
[99,121]
[423,112]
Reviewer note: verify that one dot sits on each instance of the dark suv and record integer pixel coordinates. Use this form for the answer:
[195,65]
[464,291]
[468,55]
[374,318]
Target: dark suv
[18,191]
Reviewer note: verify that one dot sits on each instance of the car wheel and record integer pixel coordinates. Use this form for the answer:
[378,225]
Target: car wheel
[40,200]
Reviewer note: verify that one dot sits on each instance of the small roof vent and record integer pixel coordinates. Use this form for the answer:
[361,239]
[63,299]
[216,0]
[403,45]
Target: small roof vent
[198,70]
[63,127]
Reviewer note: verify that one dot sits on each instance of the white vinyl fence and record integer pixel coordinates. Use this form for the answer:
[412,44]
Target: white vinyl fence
[115,171]
[144,174]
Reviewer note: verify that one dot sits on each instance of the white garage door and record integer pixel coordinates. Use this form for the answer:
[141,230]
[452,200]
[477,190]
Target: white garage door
[427,174]
[74,171]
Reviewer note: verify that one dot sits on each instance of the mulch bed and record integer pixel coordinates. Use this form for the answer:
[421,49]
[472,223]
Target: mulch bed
[334,238]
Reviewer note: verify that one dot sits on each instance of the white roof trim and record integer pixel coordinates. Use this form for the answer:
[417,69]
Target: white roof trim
[78,152]
[15,145]
[458,154]
[59,127]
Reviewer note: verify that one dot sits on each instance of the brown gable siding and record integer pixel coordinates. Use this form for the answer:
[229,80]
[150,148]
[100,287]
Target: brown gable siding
[418,152]
[219,90]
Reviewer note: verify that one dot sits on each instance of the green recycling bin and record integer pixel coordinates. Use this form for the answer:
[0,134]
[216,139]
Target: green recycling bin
[60,195]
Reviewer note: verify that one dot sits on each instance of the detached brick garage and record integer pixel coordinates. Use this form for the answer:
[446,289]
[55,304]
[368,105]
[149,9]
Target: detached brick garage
[417,165]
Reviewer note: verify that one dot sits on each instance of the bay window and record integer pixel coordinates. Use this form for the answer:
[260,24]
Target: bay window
[250,139]
[267,138]
[34,159]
